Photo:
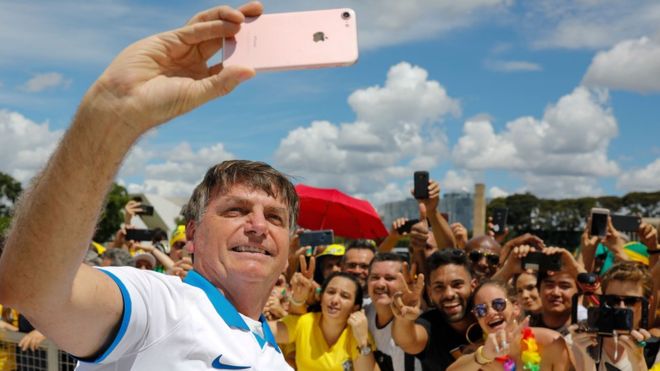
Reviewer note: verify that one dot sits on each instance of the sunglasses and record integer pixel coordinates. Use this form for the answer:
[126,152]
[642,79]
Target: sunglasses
[492,259]
[481,310]
[615,300]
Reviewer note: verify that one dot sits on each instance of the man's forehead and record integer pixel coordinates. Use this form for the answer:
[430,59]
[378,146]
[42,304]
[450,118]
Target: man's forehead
[450,272]
[388,266]
[245,193]
[358,254]
[559,278]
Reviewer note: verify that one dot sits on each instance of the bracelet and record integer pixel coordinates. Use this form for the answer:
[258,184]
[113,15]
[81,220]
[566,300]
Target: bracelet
[480,358]
[296,302]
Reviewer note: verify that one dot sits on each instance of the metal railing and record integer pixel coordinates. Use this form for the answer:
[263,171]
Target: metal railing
[47,358]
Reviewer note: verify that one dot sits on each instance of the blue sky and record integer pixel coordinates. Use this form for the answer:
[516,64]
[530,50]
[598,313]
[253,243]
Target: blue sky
[559,98]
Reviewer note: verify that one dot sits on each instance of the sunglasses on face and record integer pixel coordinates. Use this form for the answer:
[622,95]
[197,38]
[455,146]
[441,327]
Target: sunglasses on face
[481,310]
[492,259]
[615,300]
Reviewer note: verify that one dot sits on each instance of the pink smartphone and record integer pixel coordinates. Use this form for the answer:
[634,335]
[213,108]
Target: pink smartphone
[292,41]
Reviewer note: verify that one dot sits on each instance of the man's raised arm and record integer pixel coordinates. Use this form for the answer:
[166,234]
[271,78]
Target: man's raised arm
[149,83]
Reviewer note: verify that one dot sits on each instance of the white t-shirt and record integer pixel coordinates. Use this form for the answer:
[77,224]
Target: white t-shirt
[169,324]
[384,341]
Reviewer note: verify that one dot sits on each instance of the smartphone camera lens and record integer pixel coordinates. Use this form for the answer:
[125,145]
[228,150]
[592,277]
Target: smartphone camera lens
[345,15]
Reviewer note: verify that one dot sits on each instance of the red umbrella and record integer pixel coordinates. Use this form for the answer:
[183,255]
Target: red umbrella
[350,217]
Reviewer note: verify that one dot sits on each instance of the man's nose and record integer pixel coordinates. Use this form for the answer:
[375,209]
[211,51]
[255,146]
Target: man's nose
[256,223]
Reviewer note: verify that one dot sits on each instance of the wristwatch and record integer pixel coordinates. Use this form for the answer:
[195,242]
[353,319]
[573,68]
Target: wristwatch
[365,350]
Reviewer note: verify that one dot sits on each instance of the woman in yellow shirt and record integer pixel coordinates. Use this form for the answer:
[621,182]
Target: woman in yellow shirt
[334,339]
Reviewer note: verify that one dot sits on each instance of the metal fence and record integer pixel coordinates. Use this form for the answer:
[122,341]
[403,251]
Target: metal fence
[47,358]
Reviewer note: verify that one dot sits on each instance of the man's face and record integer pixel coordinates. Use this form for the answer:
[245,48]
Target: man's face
[330,264]
[242,237]
[628,288]
[356,262]
[484,253]
[383,282]
[557,292]
[449,288]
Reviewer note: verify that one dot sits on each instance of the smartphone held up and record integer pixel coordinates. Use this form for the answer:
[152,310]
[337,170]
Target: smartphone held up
[294,41]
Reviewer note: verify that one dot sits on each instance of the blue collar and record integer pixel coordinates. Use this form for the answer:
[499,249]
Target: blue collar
[226,310]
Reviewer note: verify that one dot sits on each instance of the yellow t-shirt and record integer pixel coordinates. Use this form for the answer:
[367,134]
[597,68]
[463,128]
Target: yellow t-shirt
[312,351]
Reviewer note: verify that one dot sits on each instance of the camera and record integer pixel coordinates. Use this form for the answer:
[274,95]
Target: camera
[345,15]
[603,318]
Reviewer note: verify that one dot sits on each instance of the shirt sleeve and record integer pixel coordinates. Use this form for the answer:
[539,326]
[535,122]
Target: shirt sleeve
[152,306]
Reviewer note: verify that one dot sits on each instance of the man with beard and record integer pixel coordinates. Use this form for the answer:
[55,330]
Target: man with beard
[437,337]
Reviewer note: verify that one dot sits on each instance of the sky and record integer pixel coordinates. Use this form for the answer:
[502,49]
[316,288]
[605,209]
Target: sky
[559,98]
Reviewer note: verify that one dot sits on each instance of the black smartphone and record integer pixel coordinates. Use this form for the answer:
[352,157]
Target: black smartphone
[317,238]
[599,221]
[626,223]
[541,262]
[421,187]
[407,226]
[139,234]
[499,219]
[146,210]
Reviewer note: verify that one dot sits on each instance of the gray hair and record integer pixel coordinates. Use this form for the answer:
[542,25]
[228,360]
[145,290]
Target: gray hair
[256,175]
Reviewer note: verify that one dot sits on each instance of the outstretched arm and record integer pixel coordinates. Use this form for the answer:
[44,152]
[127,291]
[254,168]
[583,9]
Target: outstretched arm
[149,83]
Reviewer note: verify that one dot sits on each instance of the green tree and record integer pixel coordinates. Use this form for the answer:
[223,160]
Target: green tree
[10,190]
[112,215]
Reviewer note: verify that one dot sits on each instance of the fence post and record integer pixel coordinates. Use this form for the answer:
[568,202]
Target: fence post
[52,357]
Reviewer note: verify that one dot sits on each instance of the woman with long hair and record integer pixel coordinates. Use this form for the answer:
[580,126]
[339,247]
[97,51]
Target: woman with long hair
[508,344]
[334,338]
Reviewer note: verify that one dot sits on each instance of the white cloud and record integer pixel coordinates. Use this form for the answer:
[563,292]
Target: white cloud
[512,66]
[396,131]
[588,24]
[644,179]
[630,65]
[567,144]
[495,192]
[24,145]
[43,81]
[457,181]
[562,186]
[180,169]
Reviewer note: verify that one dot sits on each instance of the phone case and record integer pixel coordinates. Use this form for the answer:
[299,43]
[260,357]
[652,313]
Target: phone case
[290,41]
[499,220]
[316,238]
[599,222]
[421,184]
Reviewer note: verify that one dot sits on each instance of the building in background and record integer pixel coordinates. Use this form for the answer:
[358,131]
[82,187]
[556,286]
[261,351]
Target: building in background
[458,205]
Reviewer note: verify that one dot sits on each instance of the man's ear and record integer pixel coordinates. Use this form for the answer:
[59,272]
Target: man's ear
[190,230]
[474,283]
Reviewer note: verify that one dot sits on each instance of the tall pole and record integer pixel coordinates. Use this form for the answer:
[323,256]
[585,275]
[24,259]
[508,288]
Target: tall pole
[479,214]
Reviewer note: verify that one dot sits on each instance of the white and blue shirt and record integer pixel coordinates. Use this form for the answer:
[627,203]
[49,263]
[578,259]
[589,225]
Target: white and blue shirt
[169,324]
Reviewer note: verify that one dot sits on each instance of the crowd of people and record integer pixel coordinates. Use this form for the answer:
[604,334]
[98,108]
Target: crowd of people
[233,288]
[463,304]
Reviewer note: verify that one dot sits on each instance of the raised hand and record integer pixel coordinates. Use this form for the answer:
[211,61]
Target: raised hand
[407,302]
[302,282]
[460,234]
[166,75]
[505,341]
[648,235]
